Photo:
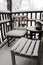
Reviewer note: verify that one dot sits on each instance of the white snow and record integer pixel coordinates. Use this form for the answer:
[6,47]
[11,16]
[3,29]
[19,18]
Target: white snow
[18,5]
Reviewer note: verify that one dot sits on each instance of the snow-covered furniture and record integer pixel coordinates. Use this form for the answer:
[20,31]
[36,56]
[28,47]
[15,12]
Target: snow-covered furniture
[27,48]
[20,29]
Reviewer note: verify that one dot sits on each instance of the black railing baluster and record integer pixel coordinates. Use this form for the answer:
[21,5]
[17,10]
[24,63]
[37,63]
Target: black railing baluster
[40,15]
[31,18]
[35,15]
[27,19]
[4,28]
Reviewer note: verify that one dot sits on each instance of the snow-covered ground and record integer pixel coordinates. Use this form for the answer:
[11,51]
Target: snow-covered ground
[18,5]
[3,5]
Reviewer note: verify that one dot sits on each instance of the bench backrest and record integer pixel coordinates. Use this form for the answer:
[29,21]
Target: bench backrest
[20,21]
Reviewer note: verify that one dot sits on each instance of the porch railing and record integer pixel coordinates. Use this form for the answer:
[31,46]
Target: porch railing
[6,17]
[4,25]
[32,16]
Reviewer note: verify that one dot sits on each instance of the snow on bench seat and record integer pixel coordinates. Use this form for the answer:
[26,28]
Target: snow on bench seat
[26,47]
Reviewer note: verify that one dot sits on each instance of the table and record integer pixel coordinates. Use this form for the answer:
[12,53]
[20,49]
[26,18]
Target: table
[33,31]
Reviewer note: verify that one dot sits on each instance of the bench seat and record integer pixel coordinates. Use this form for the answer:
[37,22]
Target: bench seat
[26,48]
[16,33]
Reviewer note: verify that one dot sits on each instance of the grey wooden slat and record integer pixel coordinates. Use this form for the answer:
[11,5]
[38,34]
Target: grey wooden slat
[30,50]
[17,44]
[26,47]
[1,36]
[22,44]
[35,53]
[1,33]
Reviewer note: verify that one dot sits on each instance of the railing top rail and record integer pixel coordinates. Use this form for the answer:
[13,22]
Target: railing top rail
[27,12]
[4,12]
[21,12]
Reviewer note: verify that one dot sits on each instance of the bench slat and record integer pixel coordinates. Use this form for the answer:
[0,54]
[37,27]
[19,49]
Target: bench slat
[30,50]
[22,44]
[26,47]
[17,44]
[35,53]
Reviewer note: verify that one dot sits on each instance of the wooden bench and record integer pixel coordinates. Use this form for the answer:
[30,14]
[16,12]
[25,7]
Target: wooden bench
[27,48]
[19,27]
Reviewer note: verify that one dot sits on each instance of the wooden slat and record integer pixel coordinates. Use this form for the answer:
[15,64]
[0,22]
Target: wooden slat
[26,47]
[17,44]
[5,21]
[35,53]
[30,50]
[1,33]
[22,44]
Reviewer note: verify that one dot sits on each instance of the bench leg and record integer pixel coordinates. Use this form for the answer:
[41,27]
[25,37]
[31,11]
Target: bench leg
[13,58]
[8,41]
[26,35]
[39,61]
